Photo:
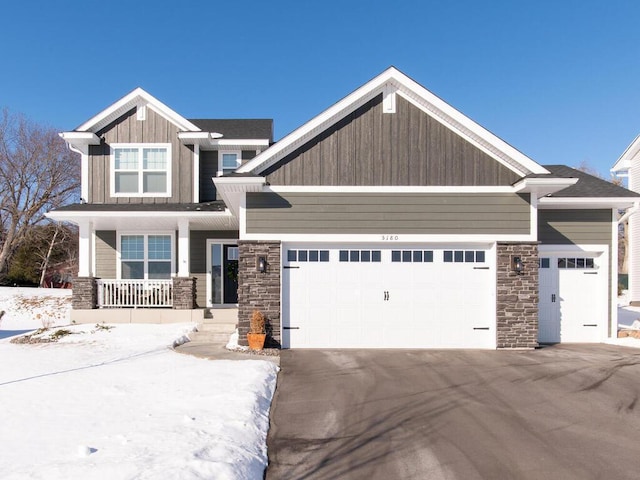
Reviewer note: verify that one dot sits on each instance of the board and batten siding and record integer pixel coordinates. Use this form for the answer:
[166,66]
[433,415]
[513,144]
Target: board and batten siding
[128,129]
[209,170]
[401,213]
[369,147]
[198,258]
[106,254]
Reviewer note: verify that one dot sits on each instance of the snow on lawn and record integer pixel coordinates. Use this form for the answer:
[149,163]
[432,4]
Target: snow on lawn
[32,308]
[119,403]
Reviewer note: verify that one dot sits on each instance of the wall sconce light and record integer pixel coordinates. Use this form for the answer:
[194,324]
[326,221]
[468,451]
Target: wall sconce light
[516,264]
[261,264]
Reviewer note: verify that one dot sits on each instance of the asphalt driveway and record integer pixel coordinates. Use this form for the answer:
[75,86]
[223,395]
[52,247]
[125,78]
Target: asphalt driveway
[562,412]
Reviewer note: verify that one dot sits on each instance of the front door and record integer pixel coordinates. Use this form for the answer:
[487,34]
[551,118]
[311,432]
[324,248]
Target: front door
[222,274]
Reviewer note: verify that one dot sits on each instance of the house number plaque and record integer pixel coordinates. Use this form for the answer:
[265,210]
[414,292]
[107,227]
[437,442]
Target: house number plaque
[390,238]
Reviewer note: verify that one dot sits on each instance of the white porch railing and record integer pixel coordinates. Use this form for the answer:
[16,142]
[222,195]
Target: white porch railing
[135,293]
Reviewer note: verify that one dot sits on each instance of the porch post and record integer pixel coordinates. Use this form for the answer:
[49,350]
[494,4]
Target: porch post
[183,247]
[85,255]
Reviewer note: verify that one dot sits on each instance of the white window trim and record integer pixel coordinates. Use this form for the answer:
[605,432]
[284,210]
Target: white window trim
[145,234]
[221,153]
[140,146]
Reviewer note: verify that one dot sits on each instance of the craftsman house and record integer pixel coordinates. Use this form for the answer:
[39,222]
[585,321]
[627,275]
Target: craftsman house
[388,220]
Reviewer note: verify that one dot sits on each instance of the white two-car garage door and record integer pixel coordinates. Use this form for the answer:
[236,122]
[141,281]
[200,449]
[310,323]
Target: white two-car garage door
[346,296]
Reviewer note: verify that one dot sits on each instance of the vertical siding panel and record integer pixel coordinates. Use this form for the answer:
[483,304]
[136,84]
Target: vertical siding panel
[433,156]
[386,165]
[418,160]
[377,161]
[402,143]
[364,164]
[329,160]
[312,168]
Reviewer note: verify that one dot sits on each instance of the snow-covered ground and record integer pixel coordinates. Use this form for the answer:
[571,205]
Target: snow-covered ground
[627,317]
[119,403]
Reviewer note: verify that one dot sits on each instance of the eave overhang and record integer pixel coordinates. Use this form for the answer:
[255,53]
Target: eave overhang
[622,165]
[148,220]
[214,140]
[79,141]
[541,187]
[549,203]
[233,189]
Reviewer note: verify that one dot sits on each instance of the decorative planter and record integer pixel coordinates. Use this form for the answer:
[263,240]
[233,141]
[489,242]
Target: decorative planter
[256,340]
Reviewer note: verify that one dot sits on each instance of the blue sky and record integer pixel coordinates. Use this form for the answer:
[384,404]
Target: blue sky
[556,79]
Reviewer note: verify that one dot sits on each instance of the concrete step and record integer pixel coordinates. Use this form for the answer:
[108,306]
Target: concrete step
[218,321]
[209,337]
[223,315]
[217,327]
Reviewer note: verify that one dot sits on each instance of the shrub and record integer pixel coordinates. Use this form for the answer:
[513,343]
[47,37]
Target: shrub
[257,322]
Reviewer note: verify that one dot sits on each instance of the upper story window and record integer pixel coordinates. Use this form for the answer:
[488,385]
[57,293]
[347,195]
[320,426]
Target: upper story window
[228,161]
[141,170]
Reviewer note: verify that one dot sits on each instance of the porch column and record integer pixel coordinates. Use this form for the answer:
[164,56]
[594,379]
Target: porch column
[85,254]
[183,248]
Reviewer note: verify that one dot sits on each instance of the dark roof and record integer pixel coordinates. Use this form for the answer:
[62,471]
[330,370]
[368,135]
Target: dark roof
[237,128]
[587,185]
[217,206]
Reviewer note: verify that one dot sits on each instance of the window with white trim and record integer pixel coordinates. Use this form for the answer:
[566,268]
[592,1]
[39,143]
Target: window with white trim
[139,170]
[146,256]
[228,161]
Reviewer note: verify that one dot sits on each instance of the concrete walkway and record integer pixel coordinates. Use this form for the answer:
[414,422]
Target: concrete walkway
[216,351]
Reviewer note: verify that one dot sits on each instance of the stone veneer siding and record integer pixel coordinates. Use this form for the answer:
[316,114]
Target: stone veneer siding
[259,290]
[85,293]
[184,293]
[517,302]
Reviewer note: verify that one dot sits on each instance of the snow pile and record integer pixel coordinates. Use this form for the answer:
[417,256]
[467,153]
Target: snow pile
[119,403]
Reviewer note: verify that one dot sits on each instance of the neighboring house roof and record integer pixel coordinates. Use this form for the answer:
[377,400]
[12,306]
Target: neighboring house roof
[217,206]
[624,162]
[390,83]
[237,128]
[587,185]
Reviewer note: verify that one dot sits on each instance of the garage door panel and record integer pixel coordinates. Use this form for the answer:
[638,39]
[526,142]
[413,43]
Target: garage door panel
[407,298]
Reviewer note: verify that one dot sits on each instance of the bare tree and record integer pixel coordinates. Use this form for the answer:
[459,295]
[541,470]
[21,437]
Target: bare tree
[37,173]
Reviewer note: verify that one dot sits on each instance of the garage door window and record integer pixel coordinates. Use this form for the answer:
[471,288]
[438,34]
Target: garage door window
[466,256]
[412,256]
[365,256]
[308,255]
[580,262]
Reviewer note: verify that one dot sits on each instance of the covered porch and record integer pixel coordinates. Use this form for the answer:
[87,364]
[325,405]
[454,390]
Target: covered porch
[150,261]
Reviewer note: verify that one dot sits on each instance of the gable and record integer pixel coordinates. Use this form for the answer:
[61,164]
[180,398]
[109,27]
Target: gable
[128,129]
[405,148]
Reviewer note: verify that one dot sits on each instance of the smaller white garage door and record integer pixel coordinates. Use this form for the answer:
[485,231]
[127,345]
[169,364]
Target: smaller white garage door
[573,303]
[368,296]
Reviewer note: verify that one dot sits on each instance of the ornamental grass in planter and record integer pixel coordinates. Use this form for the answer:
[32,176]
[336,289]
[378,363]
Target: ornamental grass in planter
[257,332]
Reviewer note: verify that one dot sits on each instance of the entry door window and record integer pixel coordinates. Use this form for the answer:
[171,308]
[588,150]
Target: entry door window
[224,273]
[216,273]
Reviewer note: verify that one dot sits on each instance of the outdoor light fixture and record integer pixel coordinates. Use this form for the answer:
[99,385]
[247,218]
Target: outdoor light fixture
[516,264]
[261,264]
